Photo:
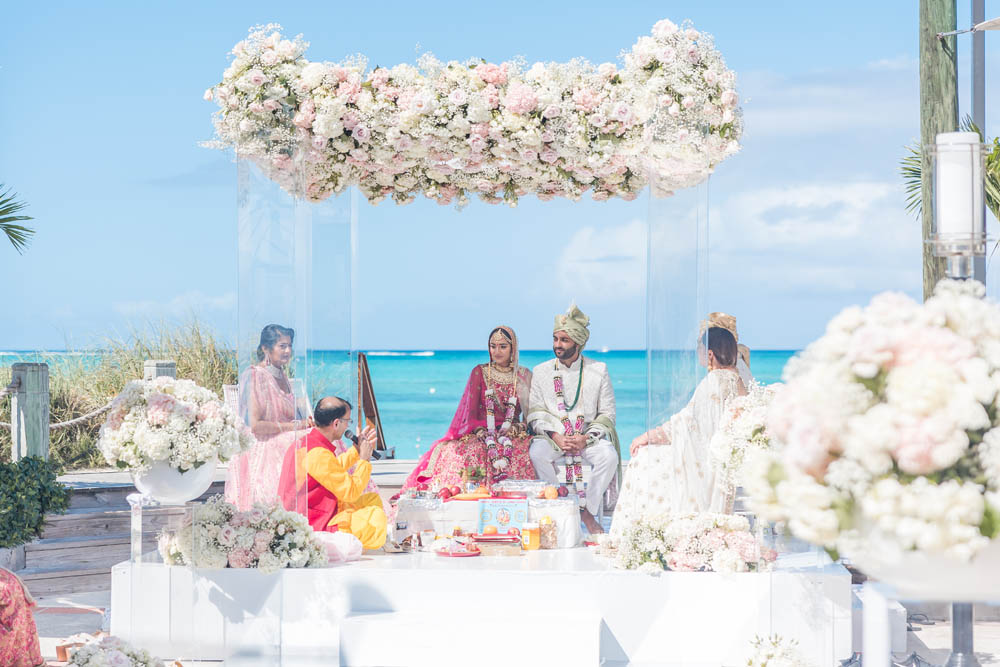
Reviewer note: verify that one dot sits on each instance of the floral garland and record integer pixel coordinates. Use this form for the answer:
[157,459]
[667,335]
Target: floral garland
[499,447]
[670,114]
[574,462]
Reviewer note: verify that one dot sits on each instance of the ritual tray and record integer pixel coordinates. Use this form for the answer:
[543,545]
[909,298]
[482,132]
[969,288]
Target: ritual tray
[459,554]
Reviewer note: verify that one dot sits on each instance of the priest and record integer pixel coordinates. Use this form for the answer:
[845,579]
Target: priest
[571,411]
[318,483]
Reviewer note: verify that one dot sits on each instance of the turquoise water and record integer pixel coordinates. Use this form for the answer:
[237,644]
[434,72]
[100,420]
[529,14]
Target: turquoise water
[418,392]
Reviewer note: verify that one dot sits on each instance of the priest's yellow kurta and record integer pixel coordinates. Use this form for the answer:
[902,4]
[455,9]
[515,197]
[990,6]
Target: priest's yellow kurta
[358,513]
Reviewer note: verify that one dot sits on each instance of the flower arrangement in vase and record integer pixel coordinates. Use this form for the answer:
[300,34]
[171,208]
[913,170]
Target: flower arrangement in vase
[887,437]
[169,433]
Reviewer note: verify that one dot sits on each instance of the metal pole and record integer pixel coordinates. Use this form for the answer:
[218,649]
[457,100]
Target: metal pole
[961,637]
[978,88]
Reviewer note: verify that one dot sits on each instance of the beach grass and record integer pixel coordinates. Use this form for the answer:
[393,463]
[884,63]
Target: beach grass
[82,383]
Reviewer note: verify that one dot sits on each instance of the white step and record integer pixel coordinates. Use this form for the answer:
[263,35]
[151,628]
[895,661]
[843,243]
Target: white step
[482,638]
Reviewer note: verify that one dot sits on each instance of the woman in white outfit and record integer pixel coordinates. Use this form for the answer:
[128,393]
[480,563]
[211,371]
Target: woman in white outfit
[671,470]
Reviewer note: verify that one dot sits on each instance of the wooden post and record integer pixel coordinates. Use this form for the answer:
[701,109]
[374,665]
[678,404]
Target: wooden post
[938,109]
[154,368]
[29,411]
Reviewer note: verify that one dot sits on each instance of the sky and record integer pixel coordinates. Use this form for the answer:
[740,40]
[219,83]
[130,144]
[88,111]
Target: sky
[136,222]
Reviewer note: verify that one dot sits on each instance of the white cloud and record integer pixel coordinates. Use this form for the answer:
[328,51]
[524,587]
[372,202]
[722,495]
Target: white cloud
[819,238]
[879,96]
[808,214]
[189,303]
[606,264]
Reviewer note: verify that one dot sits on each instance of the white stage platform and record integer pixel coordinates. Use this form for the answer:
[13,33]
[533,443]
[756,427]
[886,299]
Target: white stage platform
[559,607]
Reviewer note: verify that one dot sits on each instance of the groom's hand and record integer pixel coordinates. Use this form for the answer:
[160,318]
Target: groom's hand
[576,443]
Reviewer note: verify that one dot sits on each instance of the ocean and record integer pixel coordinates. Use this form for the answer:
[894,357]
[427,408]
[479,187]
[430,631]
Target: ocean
[418,391]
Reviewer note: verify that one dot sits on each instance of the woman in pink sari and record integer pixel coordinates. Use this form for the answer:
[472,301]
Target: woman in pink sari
[488,431]
[18,635]
[268,405]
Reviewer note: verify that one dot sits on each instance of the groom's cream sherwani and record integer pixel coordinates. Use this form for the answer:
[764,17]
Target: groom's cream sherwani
[597,407]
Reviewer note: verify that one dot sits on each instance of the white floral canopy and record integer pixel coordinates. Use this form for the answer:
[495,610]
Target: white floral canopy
[669,114]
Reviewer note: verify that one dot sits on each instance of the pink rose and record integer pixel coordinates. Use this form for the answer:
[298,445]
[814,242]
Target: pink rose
[585,99]
[361,133]
[272,105]
[281,162]
[600,195]
[379,77]
[552,111]
[529,155]
[269,57]
[491,95]
[548,136]
[239,558]
[926,445]
[666,55]
[159,408]
[729,98]
[256,77]
[490,73]
[477,144]
[549,155]
[520,98]
[458,97]
[350,120]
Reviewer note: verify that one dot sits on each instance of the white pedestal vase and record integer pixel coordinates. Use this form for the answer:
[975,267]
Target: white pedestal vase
[931,577]
[170,486]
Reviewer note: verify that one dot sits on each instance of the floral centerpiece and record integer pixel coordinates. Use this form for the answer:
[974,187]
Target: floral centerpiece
[774,651]
[690,543]
[888,438]
[112,652]
[743,435]
[267,538]
[174,421]
[494,130]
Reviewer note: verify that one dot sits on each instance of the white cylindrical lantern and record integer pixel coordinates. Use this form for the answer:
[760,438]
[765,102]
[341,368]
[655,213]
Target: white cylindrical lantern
[959,223]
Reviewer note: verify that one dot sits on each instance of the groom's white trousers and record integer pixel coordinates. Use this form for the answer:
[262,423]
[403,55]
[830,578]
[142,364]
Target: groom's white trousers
[601,456]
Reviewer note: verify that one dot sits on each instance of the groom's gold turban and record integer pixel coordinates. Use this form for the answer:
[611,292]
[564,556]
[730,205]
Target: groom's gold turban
[574,323]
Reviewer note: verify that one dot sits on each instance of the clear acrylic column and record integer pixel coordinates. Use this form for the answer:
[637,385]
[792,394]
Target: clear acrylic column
[274,330]
[677,297]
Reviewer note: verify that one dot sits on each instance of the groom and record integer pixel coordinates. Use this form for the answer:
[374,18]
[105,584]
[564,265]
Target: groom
[571,411]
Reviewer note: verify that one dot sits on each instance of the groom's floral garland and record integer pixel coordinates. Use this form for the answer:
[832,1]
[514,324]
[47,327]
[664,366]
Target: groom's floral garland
[497,131]
[499,448]
[574,463]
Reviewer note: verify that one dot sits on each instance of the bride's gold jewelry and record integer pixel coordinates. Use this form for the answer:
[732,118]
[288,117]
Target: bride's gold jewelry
[498,338]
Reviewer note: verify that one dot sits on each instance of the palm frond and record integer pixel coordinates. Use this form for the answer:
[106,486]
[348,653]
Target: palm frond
[18,235]
[911,169]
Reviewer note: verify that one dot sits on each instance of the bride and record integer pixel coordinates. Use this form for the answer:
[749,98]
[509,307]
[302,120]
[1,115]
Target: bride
[487,435]
[671,471]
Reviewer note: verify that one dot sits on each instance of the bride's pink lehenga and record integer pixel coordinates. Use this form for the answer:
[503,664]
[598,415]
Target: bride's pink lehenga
[463,446]
[253,475]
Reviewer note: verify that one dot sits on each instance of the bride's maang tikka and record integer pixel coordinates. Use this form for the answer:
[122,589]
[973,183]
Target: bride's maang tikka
[499,336]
